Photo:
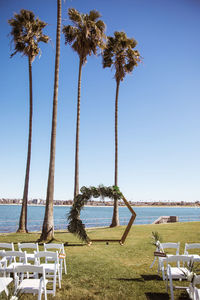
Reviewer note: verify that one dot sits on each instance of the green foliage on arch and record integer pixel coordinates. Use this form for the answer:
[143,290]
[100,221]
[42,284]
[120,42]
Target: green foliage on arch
[76,226]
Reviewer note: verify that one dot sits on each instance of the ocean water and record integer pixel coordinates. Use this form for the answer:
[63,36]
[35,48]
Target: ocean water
[91,216]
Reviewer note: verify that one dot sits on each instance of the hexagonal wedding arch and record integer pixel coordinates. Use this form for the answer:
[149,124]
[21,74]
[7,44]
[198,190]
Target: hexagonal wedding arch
[77,227]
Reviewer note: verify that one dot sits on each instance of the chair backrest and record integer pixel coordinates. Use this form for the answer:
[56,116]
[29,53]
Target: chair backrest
[29,268]
[191,246]
[43,254]
[22,246]
[170,246]
[59,247]
[4,246]
[16,254]
[179,259]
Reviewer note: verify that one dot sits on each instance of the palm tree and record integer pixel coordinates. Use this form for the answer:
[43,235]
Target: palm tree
[120,54]
[48,223]
[85,37]
[26,34]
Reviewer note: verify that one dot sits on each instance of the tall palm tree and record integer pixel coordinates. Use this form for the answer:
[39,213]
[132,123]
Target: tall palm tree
[86,37]
[48,223]
[26,34]
[120,54]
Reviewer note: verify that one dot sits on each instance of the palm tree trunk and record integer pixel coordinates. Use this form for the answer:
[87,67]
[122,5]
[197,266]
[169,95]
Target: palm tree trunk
[23,216]
[48,223]
[115,218]
[76,176]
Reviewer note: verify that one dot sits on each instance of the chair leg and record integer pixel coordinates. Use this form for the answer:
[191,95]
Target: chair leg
[171,289]
[61,268]
[166,279]
[59,279]
[163,273]
[39,295]
[65,266]
[54,284]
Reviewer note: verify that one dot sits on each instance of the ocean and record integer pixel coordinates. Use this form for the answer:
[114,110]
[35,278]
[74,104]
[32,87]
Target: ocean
[91,216]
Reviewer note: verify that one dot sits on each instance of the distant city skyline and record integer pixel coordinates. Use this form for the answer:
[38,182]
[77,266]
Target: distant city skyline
[159,104]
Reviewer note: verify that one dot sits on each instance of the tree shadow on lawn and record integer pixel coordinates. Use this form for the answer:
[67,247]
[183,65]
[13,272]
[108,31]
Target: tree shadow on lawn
[157,296]
[150,277]
[143,278]
[165,296]
[129,279]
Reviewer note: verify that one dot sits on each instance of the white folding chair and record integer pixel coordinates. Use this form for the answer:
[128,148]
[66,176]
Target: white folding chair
[192,246]
[52,269]
[177,272]
[31,285]
[61,253]
[21,257]
[28,246]
[163,248]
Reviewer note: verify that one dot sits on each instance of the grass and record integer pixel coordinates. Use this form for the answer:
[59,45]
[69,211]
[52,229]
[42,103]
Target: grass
[113,272]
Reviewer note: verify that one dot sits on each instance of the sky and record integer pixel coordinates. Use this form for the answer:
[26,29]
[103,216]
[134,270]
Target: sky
[159,107]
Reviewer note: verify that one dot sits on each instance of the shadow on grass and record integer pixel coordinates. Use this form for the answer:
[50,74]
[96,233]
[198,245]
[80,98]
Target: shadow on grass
[183,296]
[151,277]
[67,244]
[129,279]
[157,296]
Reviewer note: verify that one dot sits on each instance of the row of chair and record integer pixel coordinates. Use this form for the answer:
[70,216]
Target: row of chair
[47,263]
[35,247]
[182,268]
[176,246]
[162,247]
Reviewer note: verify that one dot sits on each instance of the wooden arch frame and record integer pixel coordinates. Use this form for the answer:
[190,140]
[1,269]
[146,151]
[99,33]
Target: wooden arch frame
[127,229]
[75,224]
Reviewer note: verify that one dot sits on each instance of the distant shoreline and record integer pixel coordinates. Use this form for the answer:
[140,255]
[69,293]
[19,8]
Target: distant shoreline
[110,206]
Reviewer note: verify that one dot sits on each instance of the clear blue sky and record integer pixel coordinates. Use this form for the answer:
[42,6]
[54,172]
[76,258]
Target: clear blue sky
[159,107]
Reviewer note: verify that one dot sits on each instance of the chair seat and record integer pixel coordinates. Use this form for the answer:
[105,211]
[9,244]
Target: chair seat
[30,285]
[48,267]
[4,282]
[179,272]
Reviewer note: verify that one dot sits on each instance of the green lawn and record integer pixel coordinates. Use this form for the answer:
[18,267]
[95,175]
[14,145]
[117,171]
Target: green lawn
[102,271]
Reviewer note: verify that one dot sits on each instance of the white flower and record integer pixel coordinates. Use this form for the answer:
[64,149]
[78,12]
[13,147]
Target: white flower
[158,245]
[190,276]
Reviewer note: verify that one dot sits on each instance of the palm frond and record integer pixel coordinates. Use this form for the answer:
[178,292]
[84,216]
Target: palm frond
[26,33]
[119,52]
[94,15]
[87,35]
[74,16]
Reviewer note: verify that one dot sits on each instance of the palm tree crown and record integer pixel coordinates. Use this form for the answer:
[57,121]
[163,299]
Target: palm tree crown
[27,33]
[87,34]
[120,54]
